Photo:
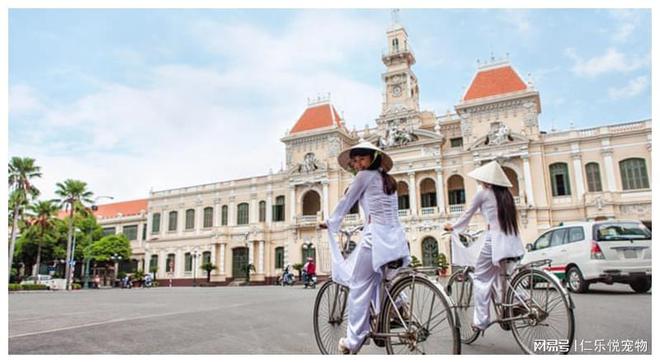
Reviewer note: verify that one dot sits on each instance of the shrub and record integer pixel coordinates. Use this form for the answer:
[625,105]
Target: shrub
[34,287]
[75,286]
[15,287]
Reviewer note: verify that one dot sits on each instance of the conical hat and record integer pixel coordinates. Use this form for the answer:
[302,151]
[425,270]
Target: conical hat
[344,158]
[491,173]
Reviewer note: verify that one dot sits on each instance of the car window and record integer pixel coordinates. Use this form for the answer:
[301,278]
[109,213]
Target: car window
[558,237]
[618,231]
[543,241]
[575,234]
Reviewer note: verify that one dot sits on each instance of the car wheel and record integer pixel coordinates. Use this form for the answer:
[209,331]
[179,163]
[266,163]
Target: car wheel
[641,285]
[575,282]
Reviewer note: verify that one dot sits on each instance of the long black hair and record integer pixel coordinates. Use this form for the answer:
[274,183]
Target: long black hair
[507,214]
[389,183]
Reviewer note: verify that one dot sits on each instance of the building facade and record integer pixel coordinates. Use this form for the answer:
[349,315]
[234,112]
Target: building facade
[271,220]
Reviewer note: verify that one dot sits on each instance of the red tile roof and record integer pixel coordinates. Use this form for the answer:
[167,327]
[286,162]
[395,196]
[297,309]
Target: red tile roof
[316,117]
[130,207]
[497,81]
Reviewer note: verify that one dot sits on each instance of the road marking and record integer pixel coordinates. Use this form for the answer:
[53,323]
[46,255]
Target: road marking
[122,320]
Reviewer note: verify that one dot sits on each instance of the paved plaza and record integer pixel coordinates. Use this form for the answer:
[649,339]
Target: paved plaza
[257,319]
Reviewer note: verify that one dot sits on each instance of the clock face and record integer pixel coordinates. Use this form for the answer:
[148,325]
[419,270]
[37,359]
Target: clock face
[396,91]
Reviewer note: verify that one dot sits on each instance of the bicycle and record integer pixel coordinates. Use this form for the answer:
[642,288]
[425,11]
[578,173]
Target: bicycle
[530,296]
[416,316]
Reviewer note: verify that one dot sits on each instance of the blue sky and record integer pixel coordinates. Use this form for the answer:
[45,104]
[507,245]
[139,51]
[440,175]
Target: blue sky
[129,100]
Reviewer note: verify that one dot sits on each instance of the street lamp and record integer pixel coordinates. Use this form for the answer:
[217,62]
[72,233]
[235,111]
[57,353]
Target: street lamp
[116,259]
[195,255]
[87,260]
[72,261]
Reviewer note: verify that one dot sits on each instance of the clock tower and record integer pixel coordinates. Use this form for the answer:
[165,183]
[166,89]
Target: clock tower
[401,89]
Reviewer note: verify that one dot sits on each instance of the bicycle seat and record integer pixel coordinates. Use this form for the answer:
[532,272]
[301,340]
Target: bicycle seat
[395,264]
[511,259]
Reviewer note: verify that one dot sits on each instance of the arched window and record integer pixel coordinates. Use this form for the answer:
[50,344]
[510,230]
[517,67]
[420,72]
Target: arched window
[171,226]
[262,211]
[430,252]
[243,214]
[311,203]
[404,197]
[208,217]
[155,223]
[279,257]
[593,177]
[278,209]
[169,267]
[206,257]
[190,219]
[395,44]
[633,174]
[188,262]
[225,214]
[427,193]
[153,263]
[559,178]
[456,190]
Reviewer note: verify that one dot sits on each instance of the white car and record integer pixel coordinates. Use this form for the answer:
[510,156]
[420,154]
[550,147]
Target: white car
[599,251]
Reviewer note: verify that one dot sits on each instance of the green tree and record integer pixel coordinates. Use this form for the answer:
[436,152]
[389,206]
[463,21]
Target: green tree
[414,263]
[298,267]
[74,194]
[108,246]
[208,267]
[44,214]
[21,172]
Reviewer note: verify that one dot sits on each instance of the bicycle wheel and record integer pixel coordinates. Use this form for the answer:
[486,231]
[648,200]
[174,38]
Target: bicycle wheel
[330,316]
[548,323]
[459,288]
[427,324]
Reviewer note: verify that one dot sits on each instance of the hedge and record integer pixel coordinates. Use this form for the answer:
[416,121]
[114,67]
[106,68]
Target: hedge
[19,287]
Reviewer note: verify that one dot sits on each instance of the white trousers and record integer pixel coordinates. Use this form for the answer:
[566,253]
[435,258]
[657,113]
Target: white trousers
[363,291]
[486,274]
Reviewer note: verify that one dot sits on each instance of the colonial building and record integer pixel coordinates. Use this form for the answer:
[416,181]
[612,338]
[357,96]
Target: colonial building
[271,220]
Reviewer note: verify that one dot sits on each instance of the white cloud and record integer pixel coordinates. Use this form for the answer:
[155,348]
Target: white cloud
[190,125]
[611,61]
[626,22]
[632,89]
[519,19]
[23,99]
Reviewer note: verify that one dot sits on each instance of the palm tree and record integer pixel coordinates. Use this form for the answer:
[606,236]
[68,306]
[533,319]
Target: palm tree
[74,193]
[44,215]
[208,267]
[21,171]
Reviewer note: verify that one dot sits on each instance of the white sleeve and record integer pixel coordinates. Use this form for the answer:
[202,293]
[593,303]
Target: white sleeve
[464,220]
[355,191]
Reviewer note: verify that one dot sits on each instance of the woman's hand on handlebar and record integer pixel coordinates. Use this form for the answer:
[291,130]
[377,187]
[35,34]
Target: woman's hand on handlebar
[447,227]
[323,226]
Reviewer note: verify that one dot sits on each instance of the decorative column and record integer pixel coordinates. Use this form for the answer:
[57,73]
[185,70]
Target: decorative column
[254,210]
[222,258]
[528,180]
[326,202]
[250,252]
[269,206]
[577,170]
[440,190]
[231,218]
[292,204]
[412,190]
[260,268]
[606,152]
